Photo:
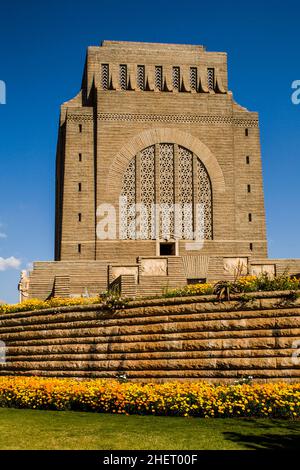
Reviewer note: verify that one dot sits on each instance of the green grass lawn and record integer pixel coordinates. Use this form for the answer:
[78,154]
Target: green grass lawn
[35,429]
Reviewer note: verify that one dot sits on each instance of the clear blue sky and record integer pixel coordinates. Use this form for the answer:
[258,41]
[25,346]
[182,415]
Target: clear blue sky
[43,46]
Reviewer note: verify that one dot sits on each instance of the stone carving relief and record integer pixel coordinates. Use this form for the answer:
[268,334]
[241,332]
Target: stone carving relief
[154,267]
[236,266]
[117,271]
[259,269]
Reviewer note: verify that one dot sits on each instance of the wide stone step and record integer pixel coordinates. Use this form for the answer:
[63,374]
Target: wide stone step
[133,356]
[262,375]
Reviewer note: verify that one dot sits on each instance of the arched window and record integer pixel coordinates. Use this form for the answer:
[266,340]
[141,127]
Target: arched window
[166,194]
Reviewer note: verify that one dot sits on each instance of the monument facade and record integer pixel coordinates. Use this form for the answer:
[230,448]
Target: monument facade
[159,178]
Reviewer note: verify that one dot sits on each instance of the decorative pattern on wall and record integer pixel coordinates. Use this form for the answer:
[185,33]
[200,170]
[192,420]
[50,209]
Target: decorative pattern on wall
[128,207]
[185,186]
[141,77]
[172,118]
[105,76]
[210,79]
[158,78]
[148,188]
[166,188]
[167,183]
[204,197]
[166,78]
[176,78]
[123,77]
[193,78]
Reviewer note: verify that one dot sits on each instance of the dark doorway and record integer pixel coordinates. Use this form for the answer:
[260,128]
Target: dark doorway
[167,249]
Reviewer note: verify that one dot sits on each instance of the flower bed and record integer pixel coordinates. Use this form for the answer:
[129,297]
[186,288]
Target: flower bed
[36,304]
[243,284]
[112,302]
[201,399]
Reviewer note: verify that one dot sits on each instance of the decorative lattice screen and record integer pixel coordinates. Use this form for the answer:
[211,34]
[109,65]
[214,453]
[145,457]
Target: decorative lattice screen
[211,79]
[123,77]
[128,194]
[105,76]
[176,78]
[158,78]
[204,198]
[193,78]
[148,190]
[185,185]
[166,190]
[141,77]
[163,182]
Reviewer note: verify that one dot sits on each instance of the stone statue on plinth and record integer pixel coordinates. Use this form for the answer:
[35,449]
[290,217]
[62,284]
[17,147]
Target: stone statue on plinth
[23,286]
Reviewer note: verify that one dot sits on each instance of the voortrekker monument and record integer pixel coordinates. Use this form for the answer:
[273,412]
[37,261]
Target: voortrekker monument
[158,185]
[159,179]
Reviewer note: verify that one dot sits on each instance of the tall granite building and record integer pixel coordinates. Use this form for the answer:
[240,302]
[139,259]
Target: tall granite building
[159,179]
